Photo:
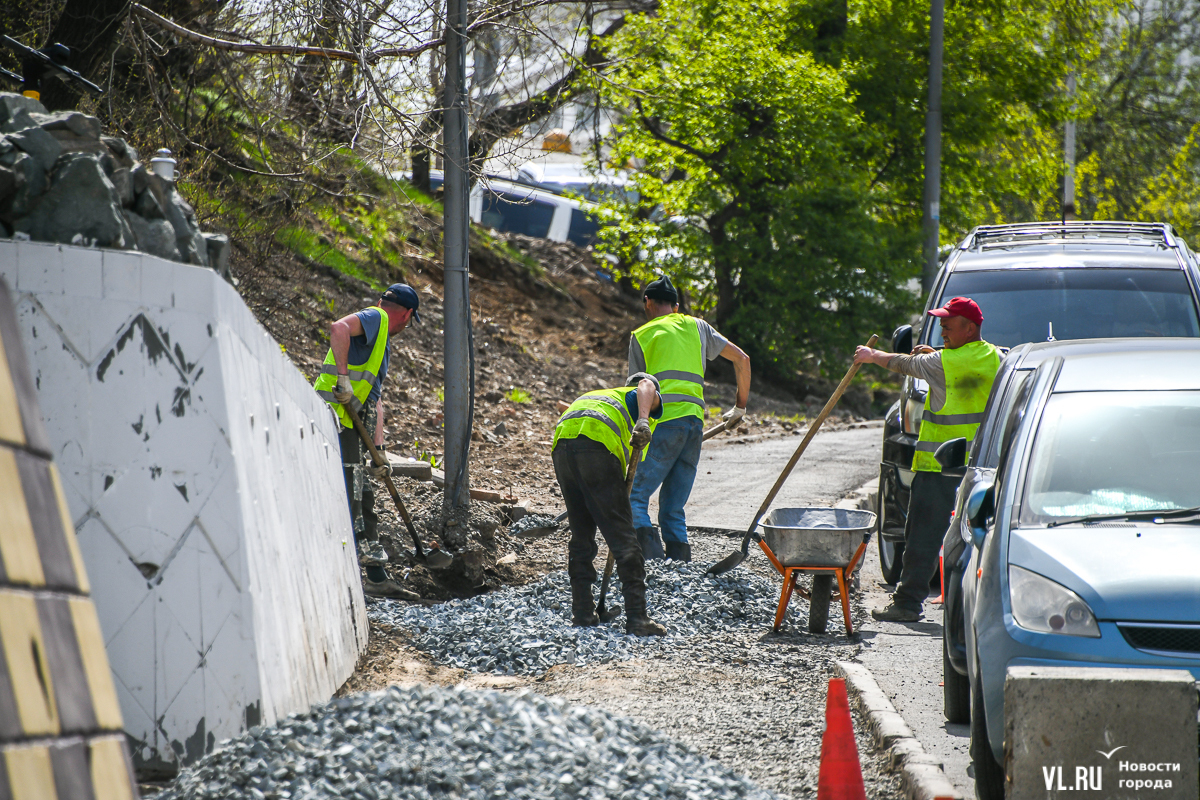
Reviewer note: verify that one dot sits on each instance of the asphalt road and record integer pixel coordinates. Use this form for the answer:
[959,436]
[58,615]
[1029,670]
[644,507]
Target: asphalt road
[734,478]
[906,660]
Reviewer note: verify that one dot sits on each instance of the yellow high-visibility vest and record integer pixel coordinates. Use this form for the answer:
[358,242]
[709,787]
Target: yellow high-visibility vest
[675,356]
[601,416]
[970,371]
[363,377]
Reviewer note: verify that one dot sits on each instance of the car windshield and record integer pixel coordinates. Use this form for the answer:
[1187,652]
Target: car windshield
[1022,305]
[1112,453]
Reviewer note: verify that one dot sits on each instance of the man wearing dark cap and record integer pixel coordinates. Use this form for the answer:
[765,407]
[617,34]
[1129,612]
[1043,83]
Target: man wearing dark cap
[593,442]
[674,348]
[353,373]
[960,379]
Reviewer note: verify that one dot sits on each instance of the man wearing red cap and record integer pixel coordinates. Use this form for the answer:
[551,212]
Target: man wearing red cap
[960,379]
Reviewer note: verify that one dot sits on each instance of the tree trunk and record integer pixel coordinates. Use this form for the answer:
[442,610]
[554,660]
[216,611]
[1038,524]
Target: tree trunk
[722,267]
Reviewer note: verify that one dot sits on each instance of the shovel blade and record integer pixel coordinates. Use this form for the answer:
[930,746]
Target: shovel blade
[609,614]
[438,559]
[727,563]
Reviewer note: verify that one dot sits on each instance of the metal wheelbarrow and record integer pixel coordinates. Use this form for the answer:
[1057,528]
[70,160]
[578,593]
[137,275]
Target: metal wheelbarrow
[828,542]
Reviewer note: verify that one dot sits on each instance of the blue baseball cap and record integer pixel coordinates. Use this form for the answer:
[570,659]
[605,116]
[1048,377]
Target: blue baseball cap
[403,295]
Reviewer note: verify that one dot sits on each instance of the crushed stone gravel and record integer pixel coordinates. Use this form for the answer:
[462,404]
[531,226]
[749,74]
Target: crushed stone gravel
[527,629]
[428,742]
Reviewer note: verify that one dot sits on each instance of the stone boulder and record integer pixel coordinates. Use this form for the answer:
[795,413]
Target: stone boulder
[62,180]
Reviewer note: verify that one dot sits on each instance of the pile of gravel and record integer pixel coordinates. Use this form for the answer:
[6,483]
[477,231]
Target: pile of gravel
[433,742]
[526,630]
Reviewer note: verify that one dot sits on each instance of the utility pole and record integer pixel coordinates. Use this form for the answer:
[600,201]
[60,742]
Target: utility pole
[458,403]
[1068,202]
[931,202]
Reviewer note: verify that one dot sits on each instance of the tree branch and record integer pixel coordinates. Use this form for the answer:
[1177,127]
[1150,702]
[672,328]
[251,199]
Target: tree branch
[369,57]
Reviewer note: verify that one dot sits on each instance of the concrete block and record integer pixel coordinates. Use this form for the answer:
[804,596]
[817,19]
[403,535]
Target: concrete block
[148,391]
[39,267]
[1094,732]
[122,275]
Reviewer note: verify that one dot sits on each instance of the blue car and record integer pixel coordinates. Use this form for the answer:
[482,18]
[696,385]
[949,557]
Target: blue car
[1084,543]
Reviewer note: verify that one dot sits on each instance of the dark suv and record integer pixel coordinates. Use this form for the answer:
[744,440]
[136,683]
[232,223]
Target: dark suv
[1040,282]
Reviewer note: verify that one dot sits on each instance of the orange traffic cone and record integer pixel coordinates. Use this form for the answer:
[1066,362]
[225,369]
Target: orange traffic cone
[840,777]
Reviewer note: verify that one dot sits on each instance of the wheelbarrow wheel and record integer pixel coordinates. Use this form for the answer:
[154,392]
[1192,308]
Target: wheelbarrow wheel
[818,604]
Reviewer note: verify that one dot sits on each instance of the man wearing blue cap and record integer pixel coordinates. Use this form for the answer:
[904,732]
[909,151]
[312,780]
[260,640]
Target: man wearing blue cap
[353,374]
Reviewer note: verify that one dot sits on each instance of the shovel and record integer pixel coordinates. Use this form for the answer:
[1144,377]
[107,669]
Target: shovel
[434,558]
[738,556]
[610,614]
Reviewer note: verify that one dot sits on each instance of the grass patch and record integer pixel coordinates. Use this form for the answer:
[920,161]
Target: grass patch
[308,244]
[517,395]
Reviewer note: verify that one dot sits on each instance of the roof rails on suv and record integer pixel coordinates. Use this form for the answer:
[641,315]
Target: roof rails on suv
[1077,230]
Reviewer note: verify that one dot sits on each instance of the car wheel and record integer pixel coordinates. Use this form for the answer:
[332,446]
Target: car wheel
[989,775]
[891,559]
[818,604]
[956,689]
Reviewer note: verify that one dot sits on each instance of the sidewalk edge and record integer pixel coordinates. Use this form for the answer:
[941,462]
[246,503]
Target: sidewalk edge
[920,774]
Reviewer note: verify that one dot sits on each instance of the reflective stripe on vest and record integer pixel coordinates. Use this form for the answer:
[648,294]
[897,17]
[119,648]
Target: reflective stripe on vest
[970,371]
[674,354]
[601,416]
[363,377]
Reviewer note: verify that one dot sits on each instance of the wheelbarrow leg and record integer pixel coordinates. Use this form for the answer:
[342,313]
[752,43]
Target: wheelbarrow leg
[785,595]
[843,591]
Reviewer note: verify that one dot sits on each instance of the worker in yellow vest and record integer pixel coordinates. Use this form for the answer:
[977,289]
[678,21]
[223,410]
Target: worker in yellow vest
[353,373]
[960,378]
[674,348]
[593,442]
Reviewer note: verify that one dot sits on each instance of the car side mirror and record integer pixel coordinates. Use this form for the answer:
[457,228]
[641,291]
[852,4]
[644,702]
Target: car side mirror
[981,505]
[902,340]
[952,455]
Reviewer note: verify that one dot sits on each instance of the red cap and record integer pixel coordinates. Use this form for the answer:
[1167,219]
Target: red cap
[960,307]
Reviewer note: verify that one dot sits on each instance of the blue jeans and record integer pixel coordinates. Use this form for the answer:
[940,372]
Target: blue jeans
[671,463]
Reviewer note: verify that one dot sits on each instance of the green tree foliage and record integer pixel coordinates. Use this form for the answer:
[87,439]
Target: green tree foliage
[779,152]
[1137,129]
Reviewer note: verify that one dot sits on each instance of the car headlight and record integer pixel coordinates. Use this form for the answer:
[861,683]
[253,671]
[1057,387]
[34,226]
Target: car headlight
[1039,604]
[914,408]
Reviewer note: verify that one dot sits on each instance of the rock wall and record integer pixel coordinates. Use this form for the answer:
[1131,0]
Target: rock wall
[62,180]
[204,482]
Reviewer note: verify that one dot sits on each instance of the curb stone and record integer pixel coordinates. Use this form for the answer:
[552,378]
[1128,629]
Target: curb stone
[921,774]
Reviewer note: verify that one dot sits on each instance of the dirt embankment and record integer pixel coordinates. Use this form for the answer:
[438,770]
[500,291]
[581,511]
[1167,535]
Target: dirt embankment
[548,326]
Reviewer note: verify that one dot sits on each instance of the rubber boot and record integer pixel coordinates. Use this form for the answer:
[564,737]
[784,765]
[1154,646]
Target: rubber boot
[678,551]
[583,606]
[651,544]
[637,622]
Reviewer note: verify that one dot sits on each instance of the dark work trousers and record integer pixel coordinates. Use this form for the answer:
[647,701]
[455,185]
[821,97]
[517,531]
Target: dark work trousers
[593,488]
[360,489]
[929,505]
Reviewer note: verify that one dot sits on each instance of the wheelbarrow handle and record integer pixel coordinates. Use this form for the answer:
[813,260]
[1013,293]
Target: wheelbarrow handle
[808,437]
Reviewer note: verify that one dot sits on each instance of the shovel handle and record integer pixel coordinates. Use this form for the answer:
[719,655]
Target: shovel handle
[808,437]
[379,460]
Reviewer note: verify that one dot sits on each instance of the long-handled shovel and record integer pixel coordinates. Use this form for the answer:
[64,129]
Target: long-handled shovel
[436,559]
[738,556]
[608,615]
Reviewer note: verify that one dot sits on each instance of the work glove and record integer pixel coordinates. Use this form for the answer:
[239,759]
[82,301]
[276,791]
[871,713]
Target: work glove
[342,393]
[381,471]
[641,435]
[732,417]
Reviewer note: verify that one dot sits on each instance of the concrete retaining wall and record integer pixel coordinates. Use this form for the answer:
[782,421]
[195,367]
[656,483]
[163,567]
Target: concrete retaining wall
[204,482]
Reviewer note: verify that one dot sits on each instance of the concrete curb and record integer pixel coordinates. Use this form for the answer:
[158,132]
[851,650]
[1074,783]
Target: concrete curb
[921,775]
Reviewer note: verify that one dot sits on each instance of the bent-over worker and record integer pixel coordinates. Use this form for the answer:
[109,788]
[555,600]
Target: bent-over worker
[593,442]
[354,370]
[960,379]
[674,348]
